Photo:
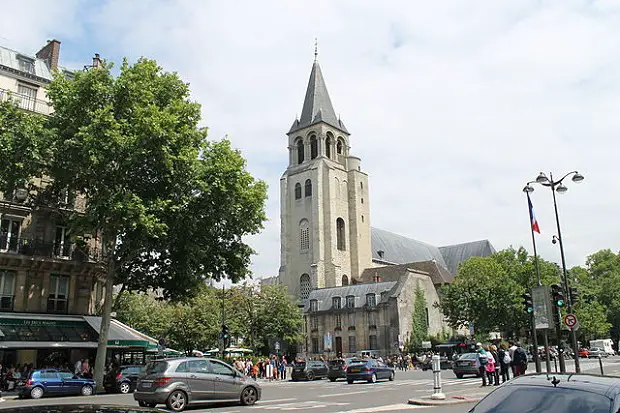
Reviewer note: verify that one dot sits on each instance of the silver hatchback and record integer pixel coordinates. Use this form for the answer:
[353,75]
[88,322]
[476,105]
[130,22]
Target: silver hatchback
[184,381]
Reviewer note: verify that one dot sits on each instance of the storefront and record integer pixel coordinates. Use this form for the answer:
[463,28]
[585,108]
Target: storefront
[46,340]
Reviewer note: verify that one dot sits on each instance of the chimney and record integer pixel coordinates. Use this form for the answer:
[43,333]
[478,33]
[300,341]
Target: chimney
[97,60]
[50,52]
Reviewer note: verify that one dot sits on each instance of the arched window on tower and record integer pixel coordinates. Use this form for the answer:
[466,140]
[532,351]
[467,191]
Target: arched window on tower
[304,286]
[345,280]
[308,188]
[340,234]
[304,235]
[328,145]
[339,147]
[300,151]
[297,190]
[314,147]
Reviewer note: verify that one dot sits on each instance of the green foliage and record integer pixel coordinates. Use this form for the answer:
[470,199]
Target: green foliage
[419,325]
[24,146]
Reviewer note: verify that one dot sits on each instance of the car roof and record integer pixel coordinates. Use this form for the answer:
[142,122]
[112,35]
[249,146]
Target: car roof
[603,385]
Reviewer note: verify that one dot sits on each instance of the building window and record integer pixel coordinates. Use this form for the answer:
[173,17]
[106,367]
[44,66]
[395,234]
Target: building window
[362,186]
[315,345]
[304,235]
[345,280]
[297,190]
[7,289]
[352,345]
[350,301]
[27,98]
[62,246]
[372,342]
[328,147]
[58,294]
[371,300]
[304,286]
[9,234]
[427,318]
[300,151]
[362,200]
[336,303]
[339,147]
[362,218]
[314,305]
[26,65]
[340,235]
[308,188]
[314,147]
[372,319]
[351,321]
[338,321]
[314,323]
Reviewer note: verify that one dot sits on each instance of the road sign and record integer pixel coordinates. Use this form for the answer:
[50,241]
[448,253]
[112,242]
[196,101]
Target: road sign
[542,307]
[570,320]
[277,345]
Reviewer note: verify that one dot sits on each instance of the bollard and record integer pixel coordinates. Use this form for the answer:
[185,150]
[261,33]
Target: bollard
[555,363]
[600,363]
[437,394]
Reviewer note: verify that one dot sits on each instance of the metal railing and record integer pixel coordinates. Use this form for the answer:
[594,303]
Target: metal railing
[39,248]
[26,102]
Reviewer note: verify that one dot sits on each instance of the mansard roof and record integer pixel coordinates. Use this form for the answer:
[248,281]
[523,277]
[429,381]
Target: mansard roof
[438,273]
[317,104]
[324,295]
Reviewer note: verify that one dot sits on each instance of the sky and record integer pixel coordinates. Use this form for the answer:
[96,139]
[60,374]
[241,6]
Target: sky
[452,105]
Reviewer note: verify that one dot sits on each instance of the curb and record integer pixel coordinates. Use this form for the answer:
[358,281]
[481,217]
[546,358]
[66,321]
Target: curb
[458,400]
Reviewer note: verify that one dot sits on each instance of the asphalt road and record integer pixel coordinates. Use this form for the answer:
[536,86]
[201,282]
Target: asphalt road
[324,396]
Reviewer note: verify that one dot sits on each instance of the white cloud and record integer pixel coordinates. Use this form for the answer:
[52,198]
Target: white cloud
[452,105]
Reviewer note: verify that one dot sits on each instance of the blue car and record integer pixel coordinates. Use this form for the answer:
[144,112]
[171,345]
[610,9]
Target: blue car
[369,370]
[54,382]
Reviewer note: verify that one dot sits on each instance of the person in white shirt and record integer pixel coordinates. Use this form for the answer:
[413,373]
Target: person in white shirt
[511,351]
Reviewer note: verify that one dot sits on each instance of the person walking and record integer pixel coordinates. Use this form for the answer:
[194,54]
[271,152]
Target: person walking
[519,360]
[496,364]
[481,362]
[504,362]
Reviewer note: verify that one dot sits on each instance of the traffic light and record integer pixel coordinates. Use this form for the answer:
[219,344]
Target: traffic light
[528,305]
[574,295]
[558,295]
[225,335]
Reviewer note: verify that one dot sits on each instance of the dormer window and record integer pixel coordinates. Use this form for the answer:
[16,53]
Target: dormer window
[314,305]
[371,300]
[350,301]
[26,64]
[337,303]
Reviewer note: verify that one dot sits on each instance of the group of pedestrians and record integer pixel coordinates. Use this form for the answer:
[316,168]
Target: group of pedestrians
[493,362]
[269,368]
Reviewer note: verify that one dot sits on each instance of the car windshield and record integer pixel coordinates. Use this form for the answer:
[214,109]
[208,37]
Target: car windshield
[468,356]
[357,361]
[336,362]
[155,367]
[300,364]
[513,399]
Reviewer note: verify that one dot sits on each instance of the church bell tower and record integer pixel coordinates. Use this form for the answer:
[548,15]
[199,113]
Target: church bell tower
[325,214]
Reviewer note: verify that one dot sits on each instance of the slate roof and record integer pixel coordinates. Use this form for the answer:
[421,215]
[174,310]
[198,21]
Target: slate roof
[438,273]
[401,250]
[324,295]
[454,254]
[317,104]
[9,59]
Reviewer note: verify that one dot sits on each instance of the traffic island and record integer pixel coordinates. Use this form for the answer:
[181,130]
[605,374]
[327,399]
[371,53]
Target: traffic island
[429,401]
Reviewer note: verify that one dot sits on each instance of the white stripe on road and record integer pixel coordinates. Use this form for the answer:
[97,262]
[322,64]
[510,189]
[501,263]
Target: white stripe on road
[344,394]
[386,408]
[276,400]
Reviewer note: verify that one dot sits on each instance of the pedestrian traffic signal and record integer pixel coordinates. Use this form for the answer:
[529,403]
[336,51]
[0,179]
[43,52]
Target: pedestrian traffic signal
[558,295]
[573,294]
[528,305]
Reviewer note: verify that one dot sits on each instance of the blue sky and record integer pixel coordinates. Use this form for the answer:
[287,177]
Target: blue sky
[452,105]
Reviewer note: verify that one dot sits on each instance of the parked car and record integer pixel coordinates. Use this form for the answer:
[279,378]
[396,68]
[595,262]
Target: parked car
[444,363]
[557,393]
[338,368]
[466,364]
[122,379]
[597,352]
[185,381]
[369,370]
[81,408]
[54,382]
[309,370]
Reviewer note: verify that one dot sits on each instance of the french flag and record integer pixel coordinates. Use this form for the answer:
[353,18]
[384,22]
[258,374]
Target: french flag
[533,220]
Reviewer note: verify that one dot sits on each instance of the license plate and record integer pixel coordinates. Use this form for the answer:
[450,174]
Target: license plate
[355,370]
[145,385]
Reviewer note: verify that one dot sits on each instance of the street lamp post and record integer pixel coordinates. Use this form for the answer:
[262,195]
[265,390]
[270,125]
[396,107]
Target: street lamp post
[559,187]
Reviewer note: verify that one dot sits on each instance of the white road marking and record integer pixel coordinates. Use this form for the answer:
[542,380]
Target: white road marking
[386,408]
[276,400]
[344,394]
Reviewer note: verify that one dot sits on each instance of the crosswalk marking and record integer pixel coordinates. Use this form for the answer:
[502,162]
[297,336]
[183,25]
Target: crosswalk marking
[386,408]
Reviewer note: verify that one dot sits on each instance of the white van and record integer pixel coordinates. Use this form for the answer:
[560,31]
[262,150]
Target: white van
[606,344]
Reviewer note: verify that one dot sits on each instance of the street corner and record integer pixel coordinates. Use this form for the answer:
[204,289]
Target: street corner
[449,400]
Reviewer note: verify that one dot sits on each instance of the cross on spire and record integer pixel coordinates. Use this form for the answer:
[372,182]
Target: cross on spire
[316,49]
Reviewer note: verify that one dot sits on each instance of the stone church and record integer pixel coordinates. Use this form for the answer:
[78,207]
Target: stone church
[356,283]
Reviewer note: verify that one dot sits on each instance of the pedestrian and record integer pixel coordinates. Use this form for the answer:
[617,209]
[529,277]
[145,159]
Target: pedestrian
[519,360]
[283,365]
[496,364]
[504,362]
[77,370]
[481,362]
[511,351]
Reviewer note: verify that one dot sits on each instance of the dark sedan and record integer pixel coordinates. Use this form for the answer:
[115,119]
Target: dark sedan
[54,382]
[557,393]
[80,408]
[122,379]
[369,370]
[466,364]
[338,369]
[309,370]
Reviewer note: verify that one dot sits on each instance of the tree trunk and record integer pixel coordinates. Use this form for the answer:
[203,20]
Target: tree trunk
[105,324]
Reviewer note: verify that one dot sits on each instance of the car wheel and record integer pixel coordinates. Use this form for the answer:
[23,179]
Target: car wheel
[373,378]
[350,381]
[124,387]
[391,378]
[332,379]
[459,376]
[86,390]
[142,404]
[310,376]
[176,401]
[249,395]
[36,393]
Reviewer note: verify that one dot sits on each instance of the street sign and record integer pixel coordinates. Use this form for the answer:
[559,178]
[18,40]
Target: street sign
[543,312]
[277,345]
[570,320]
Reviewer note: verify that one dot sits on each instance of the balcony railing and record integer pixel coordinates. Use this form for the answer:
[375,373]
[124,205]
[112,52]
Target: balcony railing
[38,248]
[26,102]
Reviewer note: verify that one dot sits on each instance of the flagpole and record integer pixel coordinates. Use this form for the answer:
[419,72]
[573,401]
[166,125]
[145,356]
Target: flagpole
[538,282]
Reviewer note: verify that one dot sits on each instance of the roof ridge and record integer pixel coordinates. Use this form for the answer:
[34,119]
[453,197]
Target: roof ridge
[466,243]
[403,236]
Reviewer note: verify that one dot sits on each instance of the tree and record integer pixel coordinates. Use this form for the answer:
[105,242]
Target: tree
[24,147]
[155,188]
[419,325]
[278,317]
